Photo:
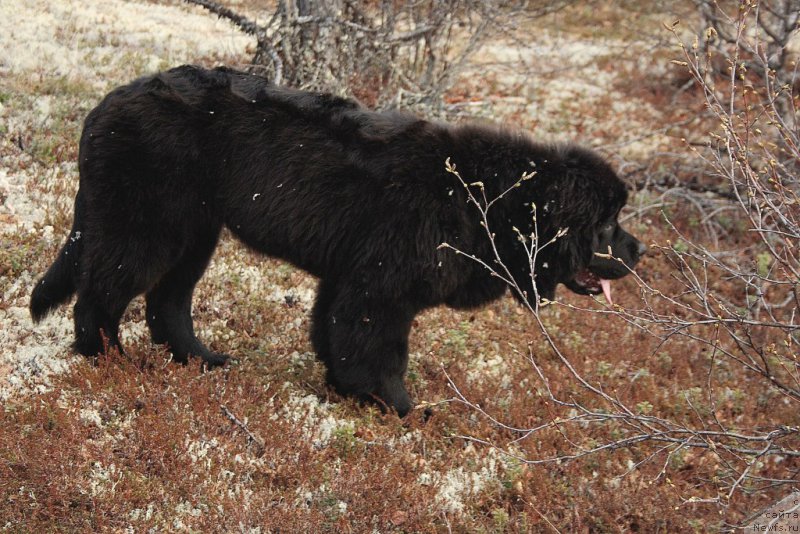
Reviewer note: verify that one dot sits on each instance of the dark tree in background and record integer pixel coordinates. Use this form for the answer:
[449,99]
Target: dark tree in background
[777,21]
[386,53]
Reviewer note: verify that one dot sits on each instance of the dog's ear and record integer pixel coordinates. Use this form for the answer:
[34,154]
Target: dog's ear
[567,203]
[569,210]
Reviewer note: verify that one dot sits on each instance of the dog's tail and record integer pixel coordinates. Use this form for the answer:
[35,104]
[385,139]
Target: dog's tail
[60,281]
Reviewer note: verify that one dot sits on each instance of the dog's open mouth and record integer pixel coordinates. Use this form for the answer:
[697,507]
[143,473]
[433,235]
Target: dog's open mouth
[593,284]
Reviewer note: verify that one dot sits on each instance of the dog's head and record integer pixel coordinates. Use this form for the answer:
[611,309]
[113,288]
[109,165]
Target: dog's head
[577,198]
[615,254]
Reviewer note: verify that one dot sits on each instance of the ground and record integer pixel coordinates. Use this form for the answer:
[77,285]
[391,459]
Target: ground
[137,443]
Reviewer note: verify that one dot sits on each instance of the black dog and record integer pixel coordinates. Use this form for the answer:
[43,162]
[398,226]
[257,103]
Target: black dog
[357,198]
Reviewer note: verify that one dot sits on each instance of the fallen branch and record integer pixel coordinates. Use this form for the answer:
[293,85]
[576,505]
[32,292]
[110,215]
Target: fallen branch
[251,438]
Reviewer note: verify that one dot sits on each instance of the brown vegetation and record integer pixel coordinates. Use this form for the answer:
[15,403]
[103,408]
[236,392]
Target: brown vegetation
[701,347]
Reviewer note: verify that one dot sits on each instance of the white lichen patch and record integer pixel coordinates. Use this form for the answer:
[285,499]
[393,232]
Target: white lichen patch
[142,514]
[320,496]
[489,367]
[316,422]
[103,479]
[31,356]
[301,359]
[134,332]
[91,416]
[563,83]
[198,450]
[456,485]
[95,40]
[302,295]
[23,208]
[185,508]
[262,280]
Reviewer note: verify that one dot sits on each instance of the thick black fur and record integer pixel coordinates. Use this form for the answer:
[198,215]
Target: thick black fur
[359,199]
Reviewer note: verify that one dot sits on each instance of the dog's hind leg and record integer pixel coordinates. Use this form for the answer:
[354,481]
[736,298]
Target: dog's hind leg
[110,276]
[97,319]
[169,303]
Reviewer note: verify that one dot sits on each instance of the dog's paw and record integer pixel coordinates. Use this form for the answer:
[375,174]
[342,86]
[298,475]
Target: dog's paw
[216,359]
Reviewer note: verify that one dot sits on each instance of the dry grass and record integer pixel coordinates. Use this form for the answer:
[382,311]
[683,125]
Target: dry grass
[140,442]
[135,442]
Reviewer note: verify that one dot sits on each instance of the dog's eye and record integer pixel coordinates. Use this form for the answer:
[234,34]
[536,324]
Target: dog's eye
[607,231]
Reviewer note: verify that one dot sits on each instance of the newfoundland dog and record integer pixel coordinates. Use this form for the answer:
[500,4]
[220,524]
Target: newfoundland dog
[360,199]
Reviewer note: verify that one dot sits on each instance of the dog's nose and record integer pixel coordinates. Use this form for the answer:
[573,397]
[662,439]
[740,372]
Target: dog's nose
[642,249]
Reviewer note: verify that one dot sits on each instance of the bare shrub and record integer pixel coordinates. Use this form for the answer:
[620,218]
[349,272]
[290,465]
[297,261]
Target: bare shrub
[774,20]
[386,53]
[755,152]
[735,301]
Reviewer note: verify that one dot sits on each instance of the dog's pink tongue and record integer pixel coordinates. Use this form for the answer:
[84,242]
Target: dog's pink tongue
[606,285]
